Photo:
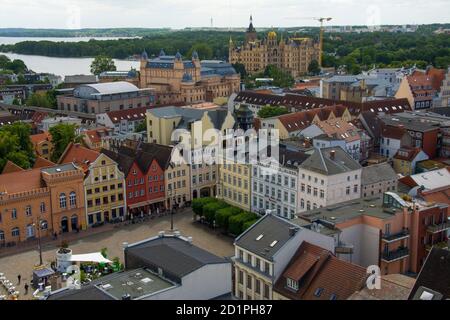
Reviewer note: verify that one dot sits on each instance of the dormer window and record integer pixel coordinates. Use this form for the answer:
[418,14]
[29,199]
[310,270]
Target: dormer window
[292,284]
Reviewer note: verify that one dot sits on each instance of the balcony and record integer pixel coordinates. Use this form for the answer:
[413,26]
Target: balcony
[395,255]
[404,234]
[440,245]
[436,228]
[343,248]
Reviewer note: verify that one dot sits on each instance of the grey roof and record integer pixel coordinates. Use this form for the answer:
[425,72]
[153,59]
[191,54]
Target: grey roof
[346,79]
[174,255]
[321,161]
[189,115]
[272,228]
[411,121]
[377,173]
[113,87]
[435,275]
[89,292]
[60,168]
[80,78]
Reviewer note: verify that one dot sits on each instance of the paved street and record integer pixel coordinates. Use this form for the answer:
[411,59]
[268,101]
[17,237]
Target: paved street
[203,237]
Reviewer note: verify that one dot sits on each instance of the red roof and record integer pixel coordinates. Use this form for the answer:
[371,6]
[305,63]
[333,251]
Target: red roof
[407,153]
[79,155]
[392,132]
[95,135]
[437,77]
[42,163]
[40,137]
[320,275]
[134,114]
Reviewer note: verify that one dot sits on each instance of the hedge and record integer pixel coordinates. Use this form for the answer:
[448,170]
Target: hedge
[210,209]
[236,223]
[198,204]
[224,214]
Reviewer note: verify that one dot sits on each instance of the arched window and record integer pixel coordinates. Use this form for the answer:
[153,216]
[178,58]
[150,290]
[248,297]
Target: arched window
[62,201]
[15,232]
[2,235]
[44,225]
[73,199]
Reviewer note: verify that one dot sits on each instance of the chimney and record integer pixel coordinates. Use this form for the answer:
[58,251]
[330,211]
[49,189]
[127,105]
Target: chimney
[332,154]
[292,231]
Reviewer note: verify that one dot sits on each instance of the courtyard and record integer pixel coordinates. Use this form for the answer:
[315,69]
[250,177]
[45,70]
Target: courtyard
[112,239]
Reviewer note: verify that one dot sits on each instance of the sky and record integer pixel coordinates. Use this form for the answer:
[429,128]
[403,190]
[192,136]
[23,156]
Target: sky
[75,14]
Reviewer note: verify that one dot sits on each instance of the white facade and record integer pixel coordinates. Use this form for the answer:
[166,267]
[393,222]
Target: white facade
[318,190]
[389,147]
[123,126]
[275,191]
[193,285]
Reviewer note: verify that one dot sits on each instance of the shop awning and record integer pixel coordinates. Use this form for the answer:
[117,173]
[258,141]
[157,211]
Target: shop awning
[90,257]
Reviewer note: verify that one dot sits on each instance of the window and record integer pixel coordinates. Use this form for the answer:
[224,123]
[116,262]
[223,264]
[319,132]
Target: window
[44,225]
[241,277]
[62,201]
[73,199]
[119,186]
[2,235]
[15,232]
[249,281]
[266,291]
[347,190]
[28,211]
[257,286]
[318,292]
[292,284]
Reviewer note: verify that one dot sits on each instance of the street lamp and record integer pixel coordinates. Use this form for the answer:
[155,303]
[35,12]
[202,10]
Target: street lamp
[39,226]
[172,206]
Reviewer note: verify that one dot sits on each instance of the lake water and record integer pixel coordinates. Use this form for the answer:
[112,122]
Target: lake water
[61,66]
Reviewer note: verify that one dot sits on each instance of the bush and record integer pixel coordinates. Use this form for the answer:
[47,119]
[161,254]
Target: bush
[236,223]
[198,204]
[210,209]
[223,215]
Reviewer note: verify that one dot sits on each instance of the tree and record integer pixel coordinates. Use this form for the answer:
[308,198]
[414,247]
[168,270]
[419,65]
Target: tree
[101,64]
[62,134]
[141,127]
[240,68]
[22,131]
[271,111]
[314,68]
[39,99]
[204,51]
[10,150]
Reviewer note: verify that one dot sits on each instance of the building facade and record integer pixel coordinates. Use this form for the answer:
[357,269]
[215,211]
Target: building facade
[235,184]
[292,55]
[178,80]
[105,97]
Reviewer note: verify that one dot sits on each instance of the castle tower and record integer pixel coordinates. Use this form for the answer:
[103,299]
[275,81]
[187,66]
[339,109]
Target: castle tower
[250,35]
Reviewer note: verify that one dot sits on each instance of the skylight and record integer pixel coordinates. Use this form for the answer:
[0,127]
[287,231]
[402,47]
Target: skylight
[259,237]
[273,243]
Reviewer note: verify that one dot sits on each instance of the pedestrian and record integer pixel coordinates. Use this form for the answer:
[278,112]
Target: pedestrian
[18,278]
[26,288]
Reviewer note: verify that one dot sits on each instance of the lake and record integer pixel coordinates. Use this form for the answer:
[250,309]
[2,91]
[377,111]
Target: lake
[61,66]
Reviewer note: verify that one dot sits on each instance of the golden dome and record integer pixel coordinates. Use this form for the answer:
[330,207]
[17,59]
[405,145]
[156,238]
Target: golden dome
[272,35]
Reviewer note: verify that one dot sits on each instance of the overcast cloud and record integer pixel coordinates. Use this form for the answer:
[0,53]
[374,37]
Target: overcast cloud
[225,13]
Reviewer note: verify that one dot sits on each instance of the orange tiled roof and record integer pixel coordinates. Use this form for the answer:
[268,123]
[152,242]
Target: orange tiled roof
[38,138]
[11,167]
[437,76]
[407,153]
[42,163]
[392,132]
[95,135]
[79,155]
[334,277]
[340,129]
[24,180]
[438,196]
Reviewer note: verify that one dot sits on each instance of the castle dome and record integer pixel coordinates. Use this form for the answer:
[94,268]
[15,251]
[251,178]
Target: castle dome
[272,35]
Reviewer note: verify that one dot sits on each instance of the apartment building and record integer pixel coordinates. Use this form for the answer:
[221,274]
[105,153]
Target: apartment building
[328,176]
[418,89]
[406,158]
[377,179]
[264,250]
[104,184]
[392,233]
[276,188]
[51,198]
[235,184]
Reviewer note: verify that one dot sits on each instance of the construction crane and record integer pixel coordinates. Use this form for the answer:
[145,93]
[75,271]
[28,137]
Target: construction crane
[321,20]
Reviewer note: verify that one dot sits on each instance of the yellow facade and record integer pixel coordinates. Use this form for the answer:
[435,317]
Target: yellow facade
[292,55]
[178,184]
[159,129]
[105,191]
[235,184]
[403,167]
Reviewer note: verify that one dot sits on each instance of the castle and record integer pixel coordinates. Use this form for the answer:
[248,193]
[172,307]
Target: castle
[292,55]
[189,81]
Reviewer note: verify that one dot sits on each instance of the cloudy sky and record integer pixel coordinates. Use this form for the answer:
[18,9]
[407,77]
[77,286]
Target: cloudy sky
[194,13]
